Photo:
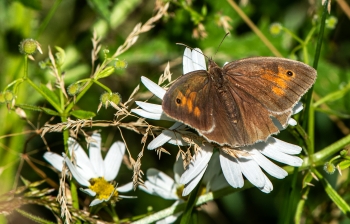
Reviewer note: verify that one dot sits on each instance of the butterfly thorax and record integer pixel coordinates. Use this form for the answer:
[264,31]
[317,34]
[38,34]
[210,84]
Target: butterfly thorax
[219,80]
[216,75]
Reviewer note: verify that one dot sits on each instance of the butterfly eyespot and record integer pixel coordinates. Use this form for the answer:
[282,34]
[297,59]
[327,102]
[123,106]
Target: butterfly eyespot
[289,73]
[178,101]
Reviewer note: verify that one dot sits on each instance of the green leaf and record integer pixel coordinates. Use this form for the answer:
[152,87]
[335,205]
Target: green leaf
[35,108]
[344,164]
[101,7]
[29,107]
[105,72]
[50,94]
[307,179]
[49,111]
[333,195]
[82,114]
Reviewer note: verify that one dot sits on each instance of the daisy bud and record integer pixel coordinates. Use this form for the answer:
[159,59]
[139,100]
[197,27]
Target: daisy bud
[104,99]
[343,153]
[29,47]
[275,28]
[329,167]
[331,22]
[116,98]
[120,64]
[8,96]
[74,89]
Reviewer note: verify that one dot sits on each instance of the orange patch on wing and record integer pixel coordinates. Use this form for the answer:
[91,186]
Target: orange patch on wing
[278,91]
[276,80]
[190,100]
[197,112]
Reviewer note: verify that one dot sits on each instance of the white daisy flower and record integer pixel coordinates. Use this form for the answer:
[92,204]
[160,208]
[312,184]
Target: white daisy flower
[246,161]
[92,171]
[160,184]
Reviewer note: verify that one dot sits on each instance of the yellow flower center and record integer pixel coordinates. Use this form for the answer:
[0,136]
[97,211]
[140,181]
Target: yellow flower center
[102,188]
[202,190]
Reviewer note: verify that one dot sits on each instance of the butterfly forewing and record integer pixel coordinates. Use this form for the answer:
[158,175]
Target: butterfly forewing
[188,101]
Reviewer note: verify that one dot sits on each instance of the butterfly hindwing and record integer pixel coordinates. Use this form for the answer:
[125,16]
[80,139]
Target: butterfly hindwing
[277,83]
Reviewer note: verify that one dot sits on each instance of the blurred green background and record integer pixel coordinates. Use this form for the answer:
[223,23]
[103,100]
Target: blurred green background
[71,27]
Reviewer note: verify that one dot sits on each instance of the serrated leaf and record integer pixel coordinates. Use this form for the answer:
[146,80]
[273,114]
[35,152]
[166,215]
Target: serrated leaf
[49,111]
[344,164]
[82,114]
[49,93]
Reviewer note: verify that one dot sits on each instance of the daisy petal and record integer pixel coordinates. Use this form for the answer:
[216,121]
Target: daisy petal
[77,176]
[297,108]
[158,190]
[95,202]
[95,155]
[198,163]
[152,116]
[113,160]
[150,107]
[166,136]
[267,165]
[251,171]
[159,178]
[88,191]
[154,88]
[159,141]
[84,174]
[287,147]
[54,159]
[276,150]
[187,61]
[126,187]
[268,187]
[231,170]
[292,122]
[82,160]
[125,196]
[198,60]
[194,182]
[282,157]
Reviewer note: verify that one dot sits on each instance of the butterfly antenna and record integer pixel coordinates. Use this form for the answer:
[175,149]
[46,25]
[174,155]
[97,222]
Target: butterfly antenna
[193,49]
[221,42]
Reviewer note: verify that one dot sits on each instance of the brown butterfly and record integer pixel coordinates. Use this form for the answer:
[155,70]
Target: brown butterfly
[235,105]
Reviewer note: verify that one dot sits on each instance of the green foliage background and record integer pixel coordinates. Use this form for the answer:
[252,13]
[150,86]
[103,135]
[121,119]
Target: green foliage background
[70,25]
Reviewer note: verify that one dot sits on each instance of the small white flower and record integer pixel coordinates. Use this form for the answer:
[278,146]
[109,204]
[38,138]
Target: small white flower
[92,171]
[160,184]
[247,160]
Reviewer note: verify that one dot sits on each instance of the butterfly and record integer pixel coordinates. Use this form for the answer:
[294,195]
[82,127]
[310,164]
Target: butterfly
[239,104]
